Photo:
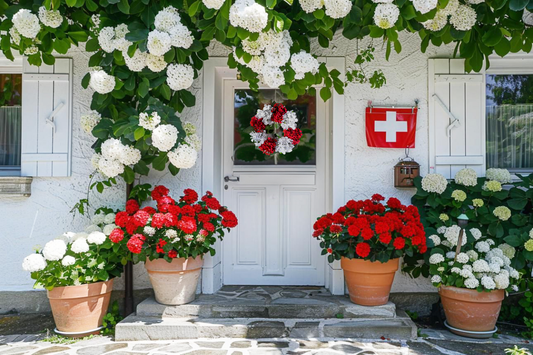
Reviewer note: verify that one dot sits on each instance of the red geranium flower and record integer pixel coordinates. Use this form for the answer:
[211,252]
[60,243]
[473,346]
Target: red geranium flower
[174,209]
[293,134]
[335,228]
[190,196]
[212,203]
[399,243]
[229,219]
[278,111]
[330,251]
[317,232]
[116,235]
[257,124]
[149,209]
[269,146]
[135,244]
[121,219]
[160,245]
[187,225]
[158,220]
[188,210]
[132,206]
[209,227]
[141,218]
[367,233]
[159,191]
[395,203]
[131,226]
[172,254]
[377,198]
[385,238]
[362,249]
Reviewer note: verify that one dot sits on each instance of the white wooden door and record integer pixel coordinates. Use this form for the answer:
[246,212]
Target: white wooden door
[276,201]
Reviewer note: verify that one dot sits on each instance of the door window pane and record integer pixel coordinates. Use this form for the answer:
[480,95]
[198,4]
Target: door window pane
[510,122]
[10,119]
[246,104]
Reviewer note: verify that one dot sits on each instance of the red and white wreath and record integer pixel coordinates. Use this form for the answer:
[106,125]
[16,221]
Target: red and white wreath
[275,130]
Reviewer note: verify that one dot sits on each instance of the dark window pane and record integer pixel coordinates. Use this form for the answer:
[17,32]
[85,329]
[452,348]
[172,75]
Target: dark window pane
[510,122]
[10,119]
[246,104]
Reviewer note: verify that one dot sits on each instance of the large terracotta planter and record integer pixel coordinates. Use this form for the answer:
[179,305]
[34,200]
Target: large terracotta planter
[79,310]
[471,310]
[174,283]
[369,282]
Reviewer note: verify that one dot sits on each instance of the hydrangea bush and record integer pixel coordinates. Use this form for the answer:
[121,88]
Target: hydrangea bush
[176,229]
[371,230]
[497,208]
[74,259]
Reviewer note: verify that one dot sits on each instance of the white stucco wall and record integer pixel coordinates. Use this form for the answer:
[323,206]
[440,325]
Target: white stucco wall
[35,220]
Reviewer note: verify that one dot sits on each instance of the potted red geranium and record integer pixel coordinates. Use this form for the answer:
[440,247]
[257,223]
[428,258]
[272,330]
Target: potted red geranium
[172,239]
[369,237]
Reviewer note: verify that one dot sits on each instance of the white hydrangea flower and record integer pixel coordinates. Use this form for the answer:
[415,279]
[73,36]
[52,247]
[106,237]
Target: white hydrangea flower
[106,39]
[137,62]
[50,18]
[463,19]
[68,261]
[183,157]
[273,76]
[194,141]
[302,63]
[452,235]
[471,283]
[158,42]
[386,15]
[95,19]
[436,258]
[80,246]
[507,250]
[95,159]
[455,270]
[462,258]
[254,47]
[164,137]
[130,155]
[436,279]
[435,239]
[277,56]
[434,183]
[110,167]
[502,212]
[337,8]
[256,64]
[450,255]
[459,195]
[34,263]
[14,35]
[482,247]
[31,50]
[155,63]
[98,218]
[466,273]
[451,7]
[492,186]
[109,228]
[171,233]
[149,122]
[424,6]
[90,120]
[437,23]
[488,282]
[92,228]
[213,4]
[181,36]
[80,235]
[112,148]
[501,281]
[180,76]
[503,176]
[167,19]
[466,177]
[248,15]
[476,233]
[441,230]
[480,266]
[189,128]
[54,250]
[258,138]
[513,272]
[97,238]
[284,145]
[101,82]
[472,254]
[26,23]
[310,6]
[150,231]
[495,260]
[440,269]
[494,267]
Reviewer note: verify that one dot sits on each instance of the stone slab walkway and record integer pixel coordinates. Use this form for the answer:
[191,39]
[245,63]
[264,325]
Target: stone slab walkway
[434,342]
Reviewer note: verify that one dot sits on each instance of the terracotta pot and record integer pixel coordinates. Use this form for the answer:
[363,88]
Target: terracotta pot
[471,310]
[80,309]
[174,283]
[369,282]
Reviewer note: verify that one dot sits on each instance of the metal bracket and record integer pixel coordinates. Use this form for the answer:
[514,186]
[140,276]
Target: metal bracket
[455,121]
[50,119]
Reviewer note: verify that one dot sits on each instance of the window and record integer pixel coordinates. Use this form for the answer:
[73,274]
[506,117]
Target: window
[509,124]
[10,123]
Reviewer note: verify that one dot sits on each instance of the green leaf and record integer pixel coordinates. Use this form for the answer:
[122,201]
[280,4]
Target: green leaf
[128,175]
[160,161]
[513,240]
[193,9]
[85,80]
[492,37]
[143,89]
[517,203]
[518,5]
[325,93]
[61,46]
[124,6]
[137,35]
[139,133]
[80,36]
[165,91]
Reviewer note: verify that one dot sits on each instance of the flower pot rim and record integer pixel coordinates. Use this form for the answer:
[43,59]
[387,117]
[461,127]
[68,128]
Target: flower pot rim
[370,261]
[57,292]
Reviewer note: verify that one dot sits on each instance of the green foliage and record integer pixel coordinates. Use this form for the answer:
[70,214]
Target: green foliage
[111,319]
[359,74]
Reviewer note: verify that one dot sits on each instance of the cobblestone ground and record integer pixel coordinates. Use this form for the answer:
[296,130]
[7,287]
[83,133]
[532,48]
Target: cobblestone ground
[434,342]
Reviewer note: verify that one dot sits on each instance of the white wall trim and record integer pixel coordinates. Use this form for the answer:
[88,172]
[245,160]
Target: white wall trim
[211,273]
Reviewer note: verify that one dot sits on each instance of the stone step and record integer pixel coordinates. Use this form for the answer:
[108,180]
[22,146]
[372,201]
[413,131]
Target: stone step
[212,306]
[136,327]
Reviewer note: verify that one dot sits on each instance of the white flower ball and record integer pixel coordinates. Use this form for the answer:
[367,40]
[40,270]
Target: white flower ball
[106,39]
[471,283]
[181,37]
[33,263]
[502,212]
[337,8]
[503,176]
[434,183]
[277,56]
[112,148]
[310,6]
[183,157]
[158,42]
[451,7]
[480,266]
[155,63]
[463,19]
[436,258]
[501,281]
[437,23]
[171,233]
[109,218]
[488,282]
[149,122]
[273,77]
[248,15]
[137,62]
[164,137]
[98,218]
[284,145]
[80,246]
[462,258]
[290,120]
[386,15]
[302,63]
[97,238]
[466,177]
[26,23]
[54,250]
[130,155]
[472,254]
[90,120]
[476,233]
[50,18]
[101,82]
[180,76]
[482,247]
[190,129]
[424,6]
[194,141]
[435,239]
[31,50]
[150,231]
[110,167]
[68,261]
[109,228]
[436,279]
[92,228]
[167,19]
[213,4]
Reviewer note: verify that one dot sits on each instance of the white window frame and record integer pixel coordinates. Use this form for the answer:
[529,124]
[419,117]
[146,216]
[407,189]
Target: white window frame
[513,63]
[10,67]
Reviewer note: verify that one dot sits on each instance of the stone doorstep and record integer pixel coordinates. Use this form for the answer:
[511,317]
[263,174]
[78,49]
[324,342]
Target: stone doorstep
[134,328]
[327,307]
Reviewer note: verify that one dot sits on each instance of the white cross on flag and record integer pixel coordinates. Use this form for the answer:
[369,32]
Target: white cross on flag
[391,127]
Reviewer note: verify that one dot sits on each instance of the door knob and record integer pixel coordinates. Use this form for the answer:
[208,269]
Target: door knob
[231,178]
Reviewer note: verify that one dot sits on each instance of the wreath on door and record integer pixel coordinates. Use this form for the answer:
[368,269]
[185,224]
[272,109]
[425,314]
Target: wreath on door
[275,130]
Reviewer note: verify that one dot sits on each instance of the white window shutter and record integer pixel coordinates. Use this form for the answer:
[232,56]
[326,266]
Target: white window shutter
[463,95]
[47,119]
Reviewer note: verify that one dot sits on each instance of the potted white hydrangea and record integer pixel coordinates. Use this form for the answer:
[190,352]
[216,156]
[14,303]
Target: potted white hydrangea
[77,270]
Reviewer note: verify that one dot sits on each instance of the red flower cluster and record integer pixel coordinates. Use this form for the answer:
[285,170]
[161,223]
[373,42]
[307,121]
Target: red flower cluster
[278,110]
[293,134]
[173,221]
[257,124]
[371,227]
[269,146]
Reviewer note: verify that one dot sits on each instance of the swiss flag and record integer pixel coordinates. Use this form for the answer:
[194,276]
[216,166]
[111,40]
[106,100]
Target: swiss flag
[391,127]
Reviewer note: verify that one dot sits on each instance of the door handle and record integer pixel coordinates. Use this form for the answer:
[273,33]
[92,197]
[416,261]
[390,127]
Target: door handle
[231,178]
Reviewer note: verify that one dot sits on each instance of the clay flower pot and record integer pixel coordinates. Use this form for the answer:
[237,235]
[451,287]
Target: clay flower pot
[79,310]
[471,310]
[369,282]
[174,283]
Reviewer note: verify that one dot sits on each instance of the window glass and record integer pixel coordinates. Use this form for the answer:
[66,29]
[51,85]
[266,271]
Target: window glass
[246,104]
[10,119]
[510,122]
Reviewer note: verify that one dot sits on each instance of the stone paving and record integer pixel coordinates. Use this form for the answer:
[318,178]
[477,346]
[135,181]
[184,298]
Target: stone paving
[434,342]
